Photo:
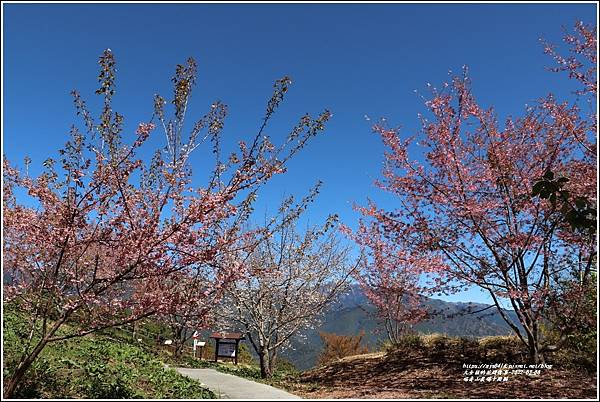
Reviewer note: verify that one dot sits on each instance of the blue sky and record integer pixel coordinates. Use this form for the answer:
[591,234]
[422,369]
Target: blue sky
[353,59]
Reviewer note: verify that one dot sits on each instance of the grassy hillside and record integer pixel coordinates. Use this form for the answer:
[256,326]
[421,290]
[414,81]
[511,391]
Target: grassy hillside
[94,367]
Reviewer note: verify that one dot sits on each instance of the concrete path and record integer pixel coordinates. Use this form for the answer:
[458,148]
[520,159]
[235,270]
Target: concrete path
[227,386]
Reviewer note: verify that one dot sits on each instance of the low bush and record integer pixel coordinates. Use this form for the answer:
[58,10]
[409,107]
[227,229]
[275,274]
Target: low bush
[437,341]
[285,366]
[336,346]
[408,341]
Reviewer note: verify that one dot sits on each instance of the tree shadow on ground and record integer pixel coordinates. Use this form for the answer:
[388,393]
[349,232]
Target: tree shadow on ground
[438,374]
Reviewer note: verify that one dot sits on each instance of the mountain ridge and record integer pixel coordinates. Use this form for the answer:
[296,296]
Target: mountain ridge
[353,313]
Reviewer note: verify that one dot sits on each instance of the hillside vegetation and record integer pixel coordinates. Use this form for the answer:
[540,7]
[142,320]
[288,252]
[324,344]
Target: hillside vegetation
[420,366]
[94,367]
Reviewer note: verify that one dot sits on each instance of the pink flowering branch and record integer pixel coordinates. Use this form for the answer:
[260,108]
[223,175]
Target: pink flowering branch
[466,215]
[109,238]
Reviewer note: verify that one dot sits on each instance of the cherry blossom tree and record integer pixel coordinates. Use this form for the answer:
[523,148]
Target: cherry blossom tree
[390,280]
[466,214]
[105,237]
[293,277]
[192,303]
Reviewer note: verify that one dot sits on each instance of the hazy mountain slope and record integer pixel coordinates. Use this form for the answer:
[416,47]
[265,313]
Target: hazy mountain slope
[353,314]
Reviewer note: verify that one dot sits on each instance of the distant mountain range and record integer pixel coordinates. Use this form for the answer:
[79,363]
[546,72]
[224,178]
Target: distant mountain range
[354,313]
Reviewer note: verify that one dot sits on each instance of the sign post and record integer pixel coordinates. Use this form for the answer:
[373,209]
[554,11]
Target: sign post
[198,344]
[227,345]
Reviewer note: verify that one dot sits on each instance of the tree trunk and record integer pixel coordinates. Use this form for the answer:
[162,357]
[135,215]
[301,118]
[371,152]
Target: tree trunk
[177,341]
[535,355]
[265,364]
[273,362]
[22,368]
[261,361]
[178,346]
[26,363]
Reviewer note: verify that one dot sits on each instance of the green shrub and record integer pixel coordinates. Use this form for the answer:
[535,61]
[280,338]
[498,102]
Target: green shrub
[579,351]
[240,370]
[285,366]
[245,356]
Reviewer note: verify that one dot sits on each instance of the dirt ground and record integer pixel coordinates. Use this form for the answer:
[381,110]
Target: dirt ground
[414,375]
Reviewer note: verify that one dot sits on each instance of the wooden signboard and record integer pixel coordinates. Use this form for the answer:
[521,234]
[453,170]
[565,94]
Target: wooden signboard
[227,345]
[227,349]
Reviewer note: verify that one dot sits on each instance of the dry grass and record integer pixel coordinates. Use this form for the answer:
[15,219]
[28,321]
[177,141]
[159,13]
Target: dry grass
[495,341]
[435,370]
[367,356]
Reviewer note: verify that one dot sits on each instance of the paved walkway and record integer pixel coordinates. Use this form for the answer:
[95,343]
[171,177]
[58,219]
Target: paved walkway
[228,386]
